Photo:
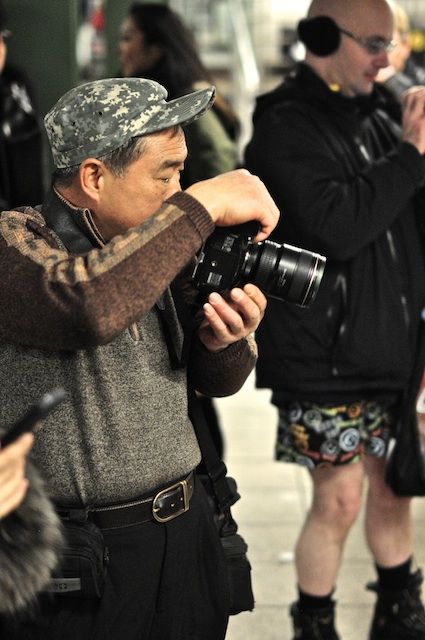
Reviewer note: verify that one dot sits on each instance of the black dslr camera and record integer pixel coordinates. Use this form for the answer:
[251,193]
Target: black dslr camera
[229,258]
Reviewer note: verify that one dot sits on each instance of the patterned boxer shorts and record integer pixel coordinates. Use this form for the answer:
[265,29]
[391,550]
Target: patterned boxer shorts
[314,435]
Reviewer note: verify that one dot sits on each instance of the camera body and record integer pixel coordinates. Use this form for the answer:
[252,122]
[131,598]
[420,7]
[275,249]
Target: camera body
[230,258]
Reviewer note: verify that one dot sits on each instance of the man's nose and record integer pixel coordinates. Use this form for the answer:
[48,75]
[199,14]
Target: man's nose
[382,60]
[175,186]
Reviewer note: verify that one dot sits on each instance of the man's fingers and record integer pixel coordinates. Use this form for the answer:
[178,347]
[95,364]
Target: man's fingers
[225,318]
[257,296]
[237,197]
[269,217]
[414,100]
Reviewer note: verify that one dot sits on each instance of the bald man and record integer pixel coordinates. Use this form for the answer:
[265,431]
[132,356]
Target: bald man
[350,183]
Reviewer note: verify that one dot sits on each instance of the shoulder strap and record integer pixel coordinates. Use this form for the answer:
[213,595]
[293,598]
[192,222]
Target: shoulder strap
[224,490]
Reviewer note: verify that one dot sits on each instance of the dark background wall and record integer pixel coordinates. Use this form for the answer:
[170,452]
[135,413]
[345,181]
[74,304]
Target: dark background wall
[43,44]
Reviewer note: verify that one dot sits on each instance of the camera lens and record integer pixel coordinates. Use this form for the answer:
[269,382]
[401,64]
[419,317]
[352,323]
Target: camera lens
[284,272]
[229,258]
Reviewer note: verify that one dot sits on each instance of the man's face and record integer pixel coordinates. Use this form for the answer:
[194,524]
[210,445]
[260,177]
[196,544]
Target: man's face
[354,67]
[126,201]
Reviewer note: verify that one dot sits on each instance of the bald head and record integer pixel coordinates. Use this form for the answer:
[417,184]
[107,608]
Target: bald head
[346,11]
[352,65]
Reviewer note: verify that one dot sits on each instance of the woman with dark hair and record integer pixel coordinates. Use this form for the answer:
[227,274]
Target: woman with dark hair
[156,44]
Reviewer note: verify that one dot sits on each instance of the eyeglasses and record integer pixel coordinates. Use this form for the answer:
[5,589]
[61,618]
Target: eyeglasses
[5,34]
[373,45]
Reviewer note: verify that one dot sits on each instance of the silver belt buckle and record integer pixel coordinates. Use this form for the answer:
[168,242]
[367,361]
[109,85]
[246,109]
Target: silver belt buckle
[183,508]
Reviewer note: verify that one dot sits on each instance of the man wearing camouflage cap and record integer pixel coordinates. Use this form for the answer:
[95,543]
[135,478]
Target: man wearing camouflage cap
[90,283]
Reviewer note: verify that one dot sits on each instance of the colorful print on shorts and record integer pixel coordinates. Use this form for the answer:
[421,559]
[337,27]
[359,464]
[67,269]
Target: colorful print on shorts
[321,435]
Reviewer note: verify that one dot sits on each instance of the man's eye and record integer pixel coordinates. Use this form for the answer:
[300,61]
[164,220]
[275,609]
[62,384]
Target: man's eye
[175,175]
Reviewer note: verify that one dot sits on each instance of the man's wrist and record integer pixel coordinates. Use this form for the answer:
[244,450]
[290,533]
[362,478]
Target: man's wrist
[195,210]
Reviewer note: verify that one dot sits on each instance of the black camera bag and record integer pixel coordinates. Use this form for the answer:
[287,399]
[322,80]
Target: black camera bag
[83,560]
[222,493]
[234,546]
[405,468]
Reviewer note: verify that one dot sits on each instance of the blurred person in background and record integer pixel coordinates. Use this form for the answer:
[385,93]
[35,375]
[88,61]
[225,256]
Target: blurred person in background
[349,180]
[402,71]
[21,151]
[156,44]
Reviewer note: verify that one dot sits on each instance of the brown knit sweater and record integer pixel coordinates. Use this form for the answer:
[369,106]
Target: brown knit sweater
[88,322]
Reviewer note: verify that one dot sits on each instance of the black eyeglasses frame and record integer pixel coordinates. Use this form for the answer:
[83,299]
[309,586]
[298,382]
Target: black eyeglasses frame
[373,45]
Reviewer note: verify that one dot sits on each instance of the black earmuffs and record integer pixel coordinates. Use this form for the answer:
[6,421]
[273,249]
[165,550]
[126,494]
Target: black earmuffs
[320,35]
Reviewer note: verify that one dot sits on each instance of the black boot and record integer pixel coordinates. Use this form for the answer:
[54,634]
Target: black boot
[314,625]
[399,615]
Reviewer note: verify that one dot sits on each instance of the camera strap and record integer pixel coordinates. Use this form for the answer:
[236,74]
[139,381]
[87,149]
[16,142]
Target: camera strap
[224,491]
[221,494]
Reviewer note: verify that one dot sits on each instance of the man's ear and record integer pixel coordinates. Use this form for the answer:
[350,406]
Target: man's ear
[91,175]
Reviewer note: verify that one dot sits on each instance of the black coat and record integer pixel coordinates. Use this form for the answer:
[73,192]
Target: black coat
[348,189]
[21,147]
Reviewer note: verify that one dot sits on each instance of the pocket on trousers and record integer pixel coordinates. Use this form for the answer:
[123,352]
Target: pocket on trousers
[83,562]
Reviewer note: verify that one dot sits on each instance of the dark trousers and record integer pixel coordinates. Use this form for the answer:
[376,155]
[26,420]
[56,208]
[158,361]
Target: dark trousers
[165,582]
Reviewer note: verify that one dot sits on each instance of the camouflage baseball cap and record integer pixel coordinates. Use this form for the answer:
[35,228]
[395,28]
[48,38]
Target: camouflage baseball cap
[98,117]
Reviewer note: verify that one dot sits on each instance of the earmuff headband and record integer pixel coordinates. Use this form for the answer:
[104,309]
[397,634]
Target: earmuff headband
[320,35]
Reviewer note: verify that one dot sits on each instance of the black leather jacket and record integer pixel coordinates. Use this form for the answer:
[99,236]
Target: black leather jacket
[21,161]
[348,189]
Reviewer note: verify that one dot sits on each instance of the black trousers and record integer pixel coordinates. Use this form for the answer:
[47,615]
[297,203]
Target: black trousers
[165,582]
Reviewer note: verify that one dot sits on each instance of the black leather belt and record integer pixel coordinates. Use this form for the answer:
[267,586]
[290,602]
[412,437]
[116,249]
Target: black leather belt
[167,503]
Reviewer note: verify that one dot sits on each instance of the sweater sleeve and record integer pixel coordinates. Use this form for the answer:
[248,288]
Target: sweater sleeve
[332,212]
[53,300]
[222,373]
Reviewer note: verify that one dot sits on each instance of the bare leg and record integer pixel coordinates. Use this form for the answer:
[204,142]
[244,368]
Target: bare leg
[336,503]
[388,528]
